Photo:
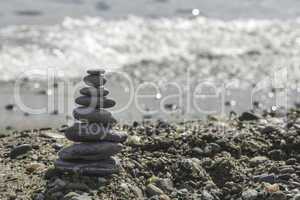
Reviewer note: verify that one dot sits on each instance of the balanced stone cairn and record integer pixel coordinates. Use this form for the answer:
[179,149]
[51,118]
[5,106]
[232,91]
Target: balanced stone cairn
[95,141]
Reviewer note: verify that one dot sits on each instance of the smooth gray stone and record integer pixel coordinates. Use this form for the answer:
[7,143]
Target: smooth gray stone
[94,80]
[95,102]
[95,92]
[98,168]
[96,71]
[90,151]
[92,115]
[93,132]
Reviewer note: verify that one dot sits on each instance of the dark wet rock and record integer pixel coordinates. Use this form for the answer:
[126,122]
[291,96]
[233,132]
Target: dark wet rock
[28,12]
[95,102]
[135,124]
[225,169]
[268,129]
[276,154]
[8,128]
[42,92]
[247,116]
[90,151]
[93,132]
[54,112]
[95,92]
[99,168]
[91,115]
[94,80]
[171,107]
[20,150]
[102,6]
[257,104]
[3,134]
[9,106]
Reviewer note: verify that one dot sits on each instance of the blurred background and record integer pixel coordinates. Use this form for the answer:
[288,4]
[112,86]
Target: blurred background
[239,42]
[37,12]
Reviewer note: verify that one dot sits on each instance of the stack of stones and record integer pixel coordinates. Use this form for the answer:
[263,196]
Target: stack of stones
[95,141]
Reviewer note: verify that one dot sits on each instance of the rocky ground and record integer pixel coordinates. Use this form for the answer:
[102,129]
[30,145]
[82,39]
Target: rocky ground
[249,157]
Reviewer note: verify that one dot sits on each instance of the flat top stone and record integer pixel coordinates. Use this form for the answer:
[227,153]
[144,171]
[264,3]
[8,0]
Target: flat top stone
[96,71]
[94,80]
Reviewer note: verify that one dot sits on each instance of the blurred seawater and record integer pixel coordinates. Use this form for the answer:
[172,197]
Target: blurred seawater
[211,49]
[251,46]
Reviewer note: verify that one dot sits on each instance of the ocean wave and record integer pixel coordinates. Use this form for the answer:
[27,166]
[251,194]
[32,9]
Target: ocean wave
[210,49]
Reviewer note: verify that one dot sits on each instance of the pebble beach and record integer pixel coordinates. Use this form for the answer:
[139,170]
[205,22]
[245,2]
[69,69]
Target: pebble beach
[248,157]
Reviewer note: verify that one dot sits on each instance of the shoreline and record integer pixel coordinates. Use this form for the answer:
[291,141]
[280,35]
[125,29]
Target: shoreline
[167,107]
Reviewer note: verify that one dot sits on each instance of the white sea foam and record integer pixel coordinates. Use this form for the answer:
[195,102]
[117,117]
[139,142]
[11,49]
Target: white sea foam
[143,47]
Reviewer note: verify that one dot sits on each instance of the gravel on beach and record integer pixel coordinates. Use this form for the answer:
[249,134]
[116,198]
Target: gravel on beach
[251,157]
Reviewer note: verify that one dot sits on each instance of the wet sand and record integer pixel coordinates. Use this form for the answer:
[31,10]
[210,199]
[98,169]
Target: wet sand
[165,104]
